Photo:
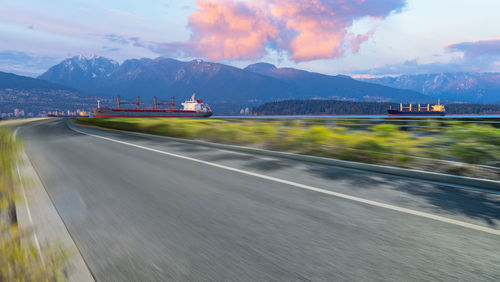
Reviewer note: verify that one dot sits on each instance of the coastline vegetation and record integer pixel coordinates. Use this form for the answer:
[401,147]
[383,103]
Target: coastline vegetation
[335,107]
[383,143]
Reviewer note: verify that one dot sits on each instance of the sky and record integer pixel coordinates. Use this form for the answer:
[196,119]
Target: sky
[361,38]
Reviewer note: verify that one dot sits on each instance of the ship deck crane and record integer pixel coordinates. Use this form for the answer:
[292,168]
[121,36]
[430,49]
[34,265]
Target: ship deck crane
[137,103]
[156,103]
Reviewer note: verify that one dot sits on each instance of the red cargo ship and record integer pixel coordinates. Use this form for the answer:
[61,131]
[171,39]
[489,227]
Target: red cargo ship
[194,108]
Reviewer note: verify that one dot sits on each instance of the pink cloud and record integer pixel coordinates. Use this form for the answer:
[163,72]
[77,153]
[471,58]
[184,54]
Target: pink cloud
[224,30]
[363,76]
[321,26]
[315,27]
[304,29]
[360,38]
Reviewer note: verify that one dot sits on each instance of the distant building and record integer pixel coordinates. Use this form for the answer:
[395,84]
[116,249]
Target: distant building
[18,113]
[245,111]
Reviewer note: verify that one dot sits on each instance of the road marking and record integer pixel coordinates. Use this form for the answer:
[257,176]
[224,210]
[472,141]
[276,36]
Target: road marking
[310,188]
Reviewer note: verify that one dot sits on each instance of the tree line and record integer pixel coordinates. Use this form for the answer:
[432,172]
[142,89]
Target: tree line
[333,107]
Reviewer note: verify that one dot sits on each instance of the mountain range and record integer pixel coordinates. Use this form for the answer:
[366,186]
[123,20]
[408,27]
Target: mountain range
[78,81]
[79,72]
[214,82]
[311,85]
[469,87]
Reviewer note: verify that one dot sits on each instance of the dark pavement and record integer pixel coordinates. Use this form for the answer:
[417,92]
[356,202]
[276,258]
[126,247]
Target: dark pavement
[138,215]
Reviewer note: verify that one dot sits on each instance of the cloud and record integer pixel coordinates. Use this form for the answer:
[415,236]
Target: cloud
[125,14]
[473,50]
[410,67]
[320,27]
[25,64]
[304,29]
[110,49]
[414,67]
[124,40]
[360,38]
[175,49]
[478,56]
[172,49]
[117,38]
[224,30]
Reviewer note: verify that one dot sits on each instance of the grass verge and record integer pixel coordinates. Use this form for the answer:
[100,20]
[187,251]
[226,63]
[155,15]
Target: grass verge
[20,258]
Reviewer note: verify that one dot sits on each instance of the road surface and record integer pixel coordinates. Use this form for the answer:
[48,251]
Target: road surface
[146,209]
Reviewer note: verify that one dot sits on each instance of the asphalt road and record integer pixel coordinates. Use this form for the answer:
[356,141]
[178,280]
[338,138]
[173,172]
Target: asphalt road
[140,215]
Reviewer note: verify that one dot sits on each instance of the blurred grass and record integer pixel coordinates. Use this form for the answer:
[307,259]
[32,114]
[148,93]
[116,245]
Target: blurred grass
[20,259]
[385,143]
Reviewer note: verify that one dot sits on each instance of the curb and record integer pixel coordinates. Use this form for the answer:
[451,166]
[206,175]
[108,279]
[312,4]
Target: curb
[411,173]
[37,212]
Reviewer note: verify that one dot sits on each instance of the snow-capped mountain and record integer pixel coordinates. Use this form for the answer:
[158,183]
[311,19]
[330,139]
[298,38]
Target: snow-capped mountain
[311,85]
[472,87]
[218,83]
[81,72]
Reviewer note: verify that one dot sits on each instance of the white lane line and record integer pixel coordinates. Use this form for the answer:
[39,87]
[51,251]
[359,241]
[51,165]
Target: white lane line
[310,188]
[35,237]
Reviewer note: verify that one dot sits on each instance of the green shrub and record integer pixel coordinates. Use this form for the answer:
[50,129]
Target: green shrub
[385,130]
[472,153]
[382,143]
[471,143]
[370,150]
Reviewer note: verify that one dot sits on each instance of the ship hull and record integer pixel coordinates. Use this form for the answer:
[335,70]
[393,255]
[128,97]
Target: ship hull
[396,113]
[114,113]
[66,116]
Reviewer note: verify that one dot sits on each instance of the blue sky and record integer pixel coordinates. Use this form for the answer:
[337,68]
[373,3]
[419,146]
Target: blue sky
[361,38]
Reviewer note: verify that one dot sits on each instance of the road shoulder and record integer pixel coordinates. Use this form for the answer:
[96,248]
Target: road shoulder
[36,211]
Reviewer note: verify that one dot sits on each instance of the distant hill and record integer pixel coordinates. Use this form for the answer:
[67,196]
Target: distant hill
[13,81]
[319,107]
[215,83]
[38,96]
[471,87]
